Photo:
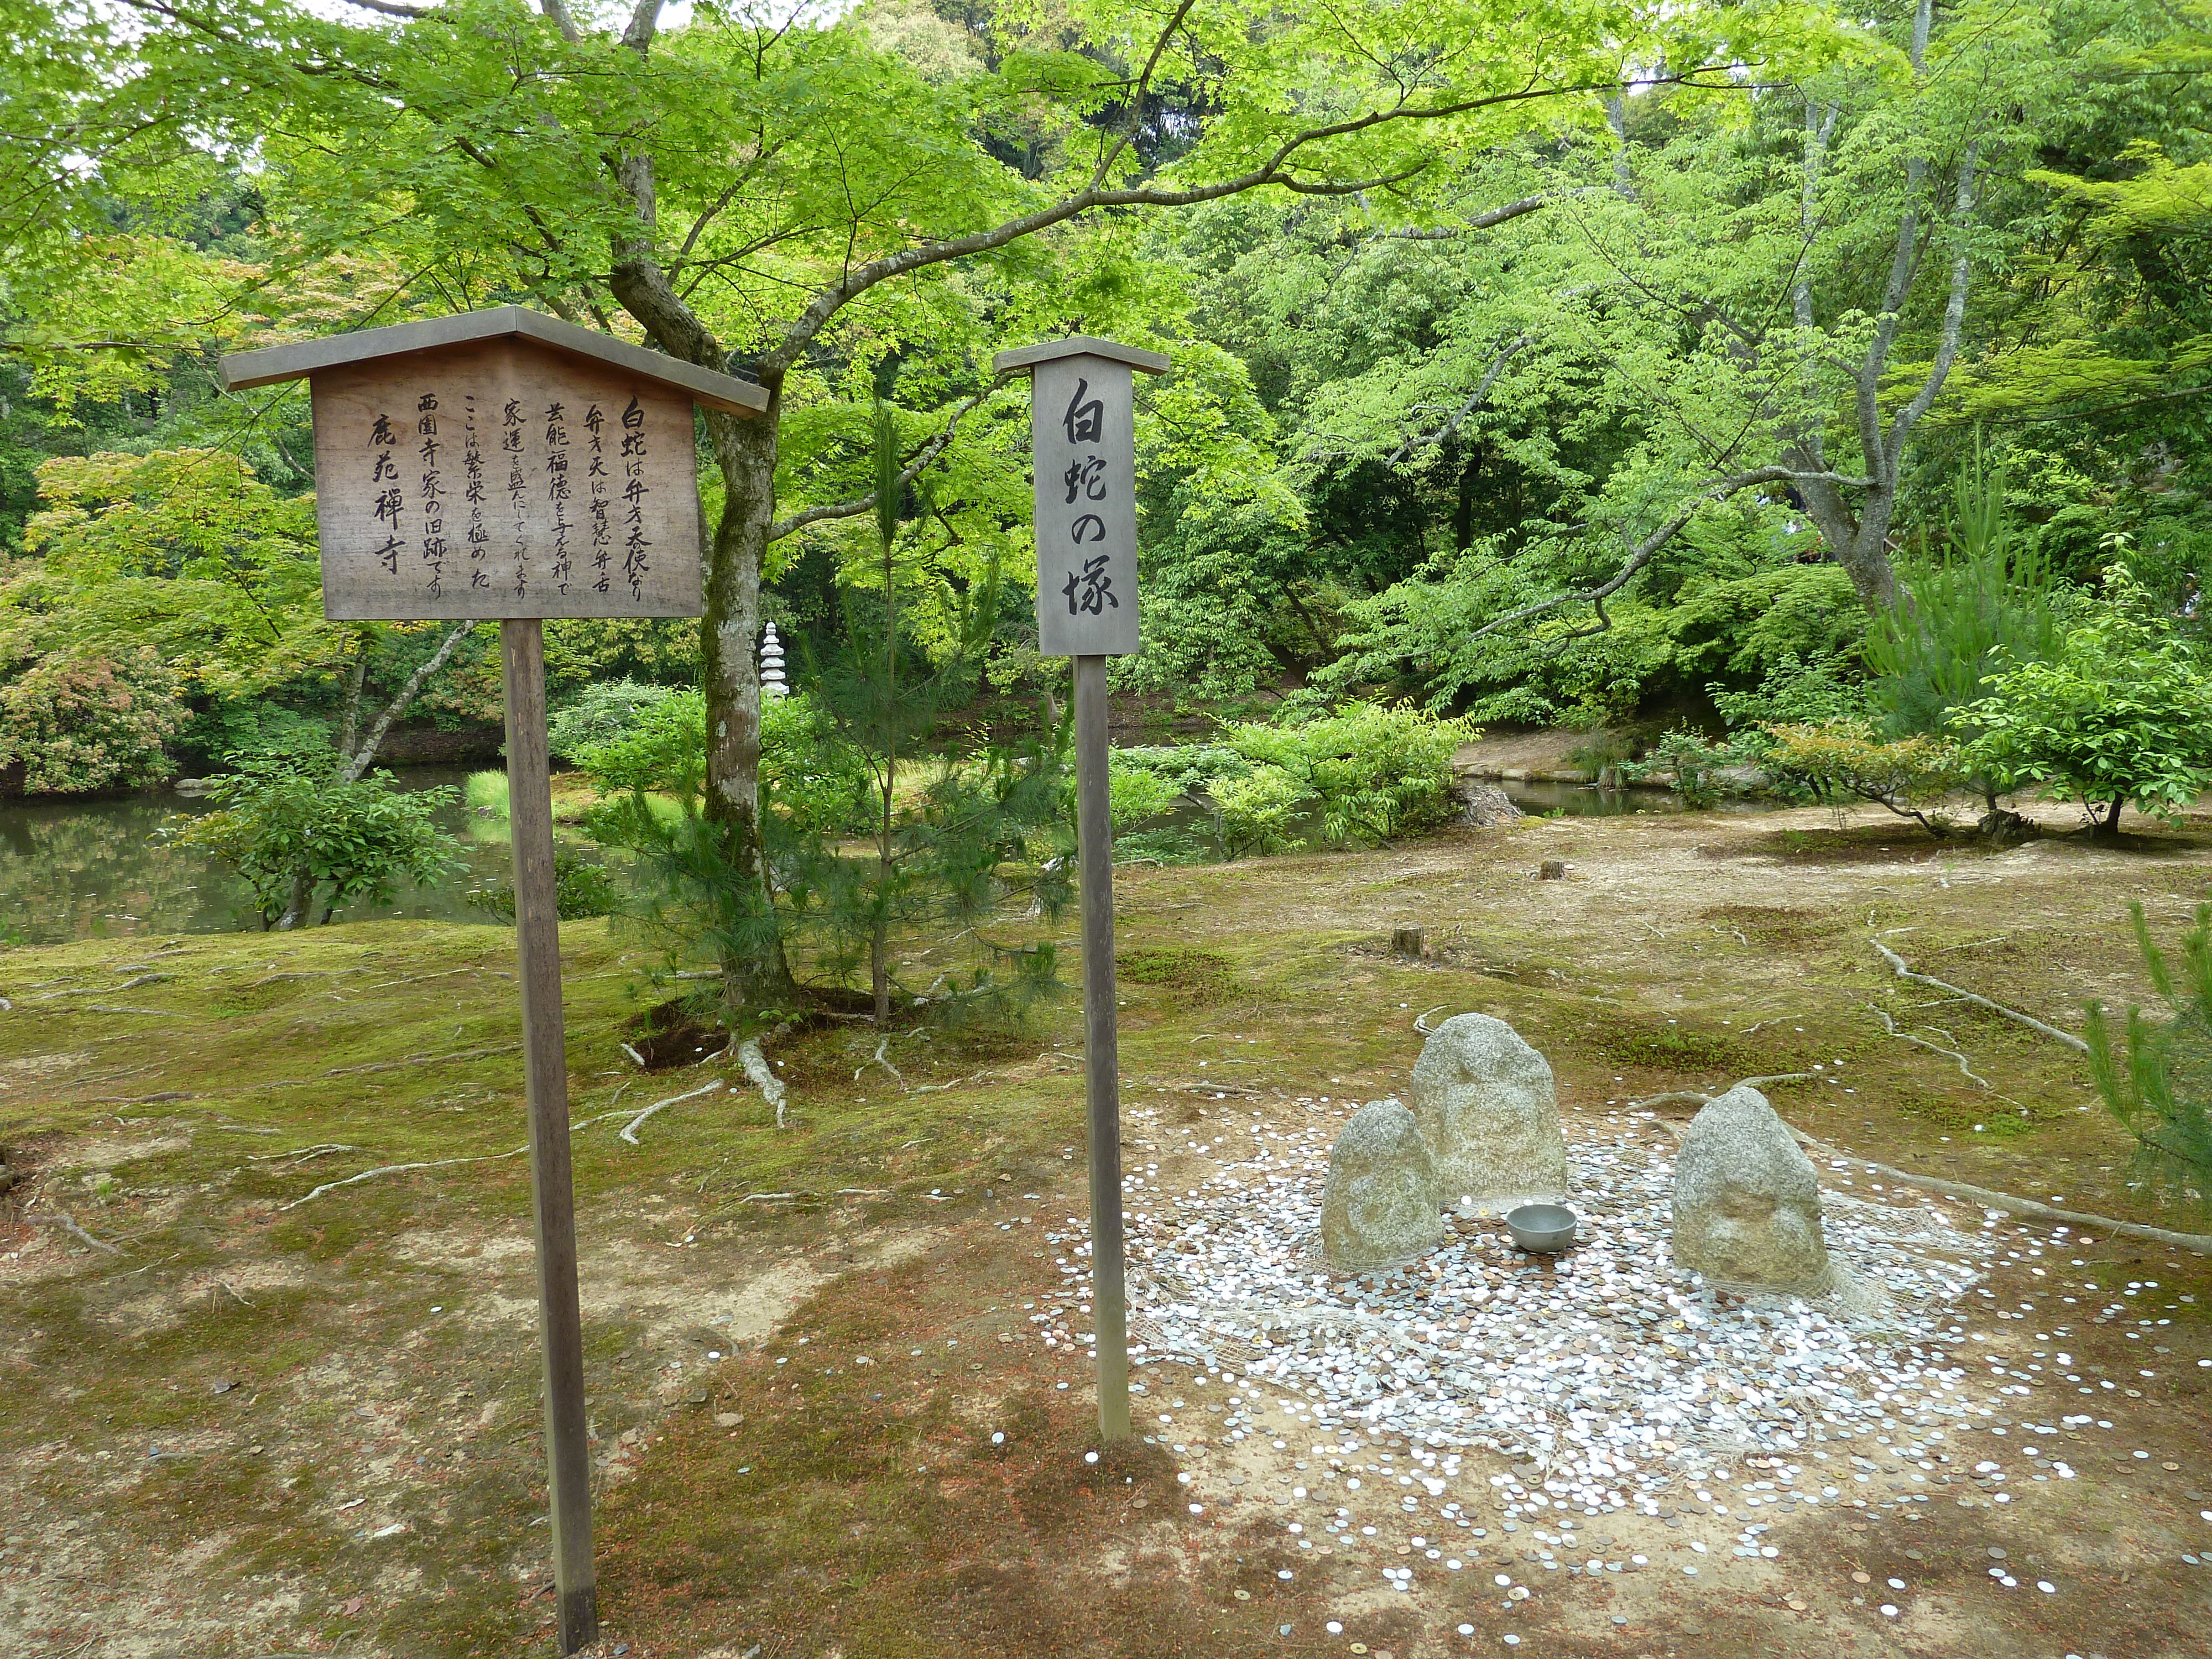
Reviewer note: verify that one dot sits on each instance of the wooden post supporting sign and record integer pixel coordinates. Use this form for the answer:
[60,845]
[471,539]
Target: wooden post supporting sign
[502,465]
[1083,435]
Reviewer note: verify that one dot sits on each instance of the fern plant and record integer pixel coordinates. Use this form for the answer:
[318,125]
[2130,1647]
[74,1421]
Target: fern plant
[2157,1080]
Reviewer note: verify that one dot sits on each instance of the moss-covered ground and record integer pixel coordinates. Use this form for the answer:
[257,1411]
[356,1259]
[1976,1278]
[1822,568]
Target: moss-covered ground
[266,1423]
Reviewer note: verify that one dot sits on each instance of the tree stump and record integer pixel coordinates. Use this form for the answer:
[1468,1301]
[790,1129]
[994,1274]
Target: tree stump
[1552,870]
[1407,942]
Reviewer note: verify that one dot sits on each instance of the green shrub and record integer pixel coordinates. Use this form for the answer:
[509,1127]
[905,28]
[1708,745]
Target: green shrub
[600,713]
[661,749]
[1137,792]
[1847,756]
[1692,761]
[811,776]
[1375,771]
[1796,691]
[280,815]
[81,724]
[580,888]
[1254,814]
[1188,766]
[2118,719]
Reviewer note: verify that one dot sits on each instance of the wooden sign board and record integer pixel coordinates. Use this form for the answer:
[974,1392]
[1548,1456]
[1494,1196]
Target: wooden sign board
[502,465]
[1083,437]
[494,480]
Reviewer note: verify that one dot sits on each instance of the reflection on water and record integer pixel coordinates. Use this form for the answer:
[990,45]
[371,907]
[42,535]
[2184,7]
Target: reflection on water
[72,869]
[1579,800]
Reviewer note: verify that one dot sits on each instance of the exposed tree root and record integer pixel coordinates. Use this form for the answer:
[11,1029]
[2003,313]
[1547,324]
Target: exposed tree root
[630,1131]
[878,1059]
[290,1160]
[1934,1047]
[400,1168]
[1904,971]
[762,1075]
[67,1223]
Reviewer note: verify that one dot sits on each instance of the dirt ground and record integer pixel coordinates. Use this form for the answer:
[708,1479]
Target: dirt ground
[263,1417]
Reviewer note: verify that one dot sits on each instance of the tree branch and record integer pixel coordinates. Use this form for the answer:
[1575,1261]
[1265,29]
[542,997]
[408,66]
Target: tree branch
[392,7]
[1137,100]
[358,762]
[1642,552]
[1481,394]
[1272,171]
[1954,317]
[1484,221]
[852,509]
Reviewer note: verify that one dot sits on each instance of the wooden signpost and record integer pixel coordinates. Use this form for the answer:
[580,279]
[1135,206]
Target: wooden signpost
[504,464]
[1084,437]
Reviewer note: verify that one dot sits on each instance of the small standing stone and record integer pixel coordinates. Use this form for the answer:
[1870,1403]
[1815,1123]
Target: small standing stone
[1487,805]
[1747,1200]
[1485,1102]
[1380,1207]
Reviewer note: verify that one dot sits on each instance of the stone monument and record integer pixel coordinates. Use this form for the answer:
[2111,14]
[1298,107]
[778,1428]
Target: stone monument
[1748,1202]
[1483,1100]
[1381,1205]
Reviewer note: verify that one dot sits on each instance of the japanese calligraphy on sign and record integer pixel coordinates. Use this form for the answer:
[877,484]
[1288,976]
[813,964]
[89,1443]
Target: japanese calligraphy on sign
[1086,507]
[493,480]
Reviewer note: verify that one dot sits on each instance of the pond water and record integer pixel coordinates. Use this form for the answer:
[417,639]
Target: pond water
[1579,800]
[72,869]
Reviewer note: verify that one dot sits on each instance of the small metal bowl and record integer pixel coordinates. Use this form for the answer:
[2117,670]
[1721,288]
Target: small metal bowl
[1542,1228]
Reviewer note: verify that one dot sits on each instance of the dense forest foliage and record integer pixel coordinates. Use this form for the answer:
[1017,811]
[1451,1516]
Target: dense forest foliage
[1777,379]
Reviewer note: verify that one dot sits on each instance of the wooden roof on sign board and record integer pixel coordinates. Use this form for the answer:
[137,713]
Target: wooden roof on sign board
[1081,345]
[290,362]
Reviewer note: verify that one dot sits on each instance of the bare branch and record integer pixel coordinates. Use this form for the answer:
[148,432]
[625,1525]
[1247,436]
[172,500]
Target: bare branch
[392,7]
[852,509]
[1484,221]
[1642,553]
[1954,317]
[1481,395]
[358,762]
[1137,100]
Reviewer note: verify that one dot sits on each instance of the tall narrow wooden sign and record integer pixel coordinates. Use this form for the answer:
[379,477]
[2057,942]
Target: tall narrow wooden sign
[1083,438]
[502,465]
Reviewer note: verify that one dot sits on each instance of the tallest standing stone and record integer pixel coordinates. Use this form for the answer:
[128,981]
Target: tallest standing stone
[1483,1101]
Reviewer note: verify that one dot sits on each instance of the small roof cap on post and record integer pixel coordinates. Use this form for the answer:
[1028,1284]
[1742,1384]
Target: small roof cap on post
[290,362]
[1080,346]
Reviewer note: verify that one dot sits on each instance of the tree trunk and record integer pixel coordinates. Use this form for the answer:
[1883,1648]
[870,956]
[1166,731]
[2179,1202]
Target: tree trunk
[1463,509]
[356,681]
[1865,555]
[295,909]
[745,450]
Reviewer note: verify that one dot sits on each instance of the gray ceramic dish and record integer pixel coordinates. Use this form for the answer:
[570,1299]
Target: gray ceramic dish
[1542,1228]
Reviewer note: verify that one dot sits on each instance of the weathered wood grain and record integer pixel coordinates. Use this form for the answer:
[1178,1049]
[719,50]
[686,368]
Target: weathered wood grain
[500,479]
